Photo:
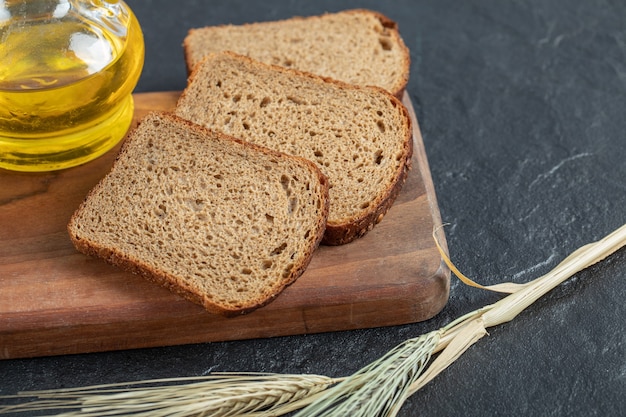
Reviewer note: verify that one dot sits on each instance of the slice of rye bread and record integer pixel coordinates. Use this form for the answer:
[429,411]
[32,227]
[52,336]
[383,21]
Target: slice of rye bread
[224,223]
[359,46]
[360,137]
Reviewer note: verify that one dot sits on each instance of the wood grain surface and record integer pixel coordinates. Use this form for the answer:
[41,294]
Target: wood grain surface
[54,300]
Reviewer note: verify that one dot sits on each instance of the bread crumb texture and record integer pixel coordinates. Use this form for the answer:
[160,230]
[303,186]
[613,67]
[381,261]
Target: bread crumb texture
[360,138]
[224,223]
[355,46]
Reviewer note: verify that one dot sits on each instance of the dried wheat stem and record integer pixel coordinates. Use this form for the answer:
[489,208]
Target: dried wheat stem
[459,335]
[509,307]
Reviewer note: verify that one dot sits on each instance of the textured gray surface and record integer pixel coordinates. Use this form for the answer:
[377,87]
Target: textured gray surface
[521,106]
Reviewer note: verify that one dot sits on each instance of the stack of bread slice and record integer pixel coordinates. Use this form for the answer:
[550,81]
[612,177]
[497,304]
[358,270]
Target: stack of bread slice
[226,200]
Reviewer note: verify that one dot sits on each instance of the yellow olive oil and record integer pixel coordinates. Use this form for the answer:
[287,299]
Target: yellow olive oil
[66,86]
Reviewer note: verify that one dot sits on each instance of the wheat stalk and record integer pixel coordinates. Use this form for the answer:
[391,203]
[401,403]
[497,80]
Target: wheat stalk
[379,389]
[452,340]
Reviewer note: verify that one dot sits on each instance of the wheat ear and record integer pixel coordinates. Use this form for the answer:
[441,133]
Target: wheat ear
[228,395]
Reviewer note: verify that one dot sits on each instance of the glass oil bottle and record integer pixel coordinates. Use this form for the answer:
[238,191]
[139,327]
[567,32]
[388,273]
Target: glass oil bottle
[67,72]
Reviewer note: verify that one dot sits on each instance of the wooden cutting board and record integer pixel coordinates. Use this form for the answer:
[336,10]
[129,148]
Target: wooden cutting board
[54,300]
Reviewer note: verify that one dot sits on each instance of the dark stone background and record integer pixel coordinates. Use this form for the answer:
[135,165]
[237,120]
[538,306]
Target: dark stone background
[521,106]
